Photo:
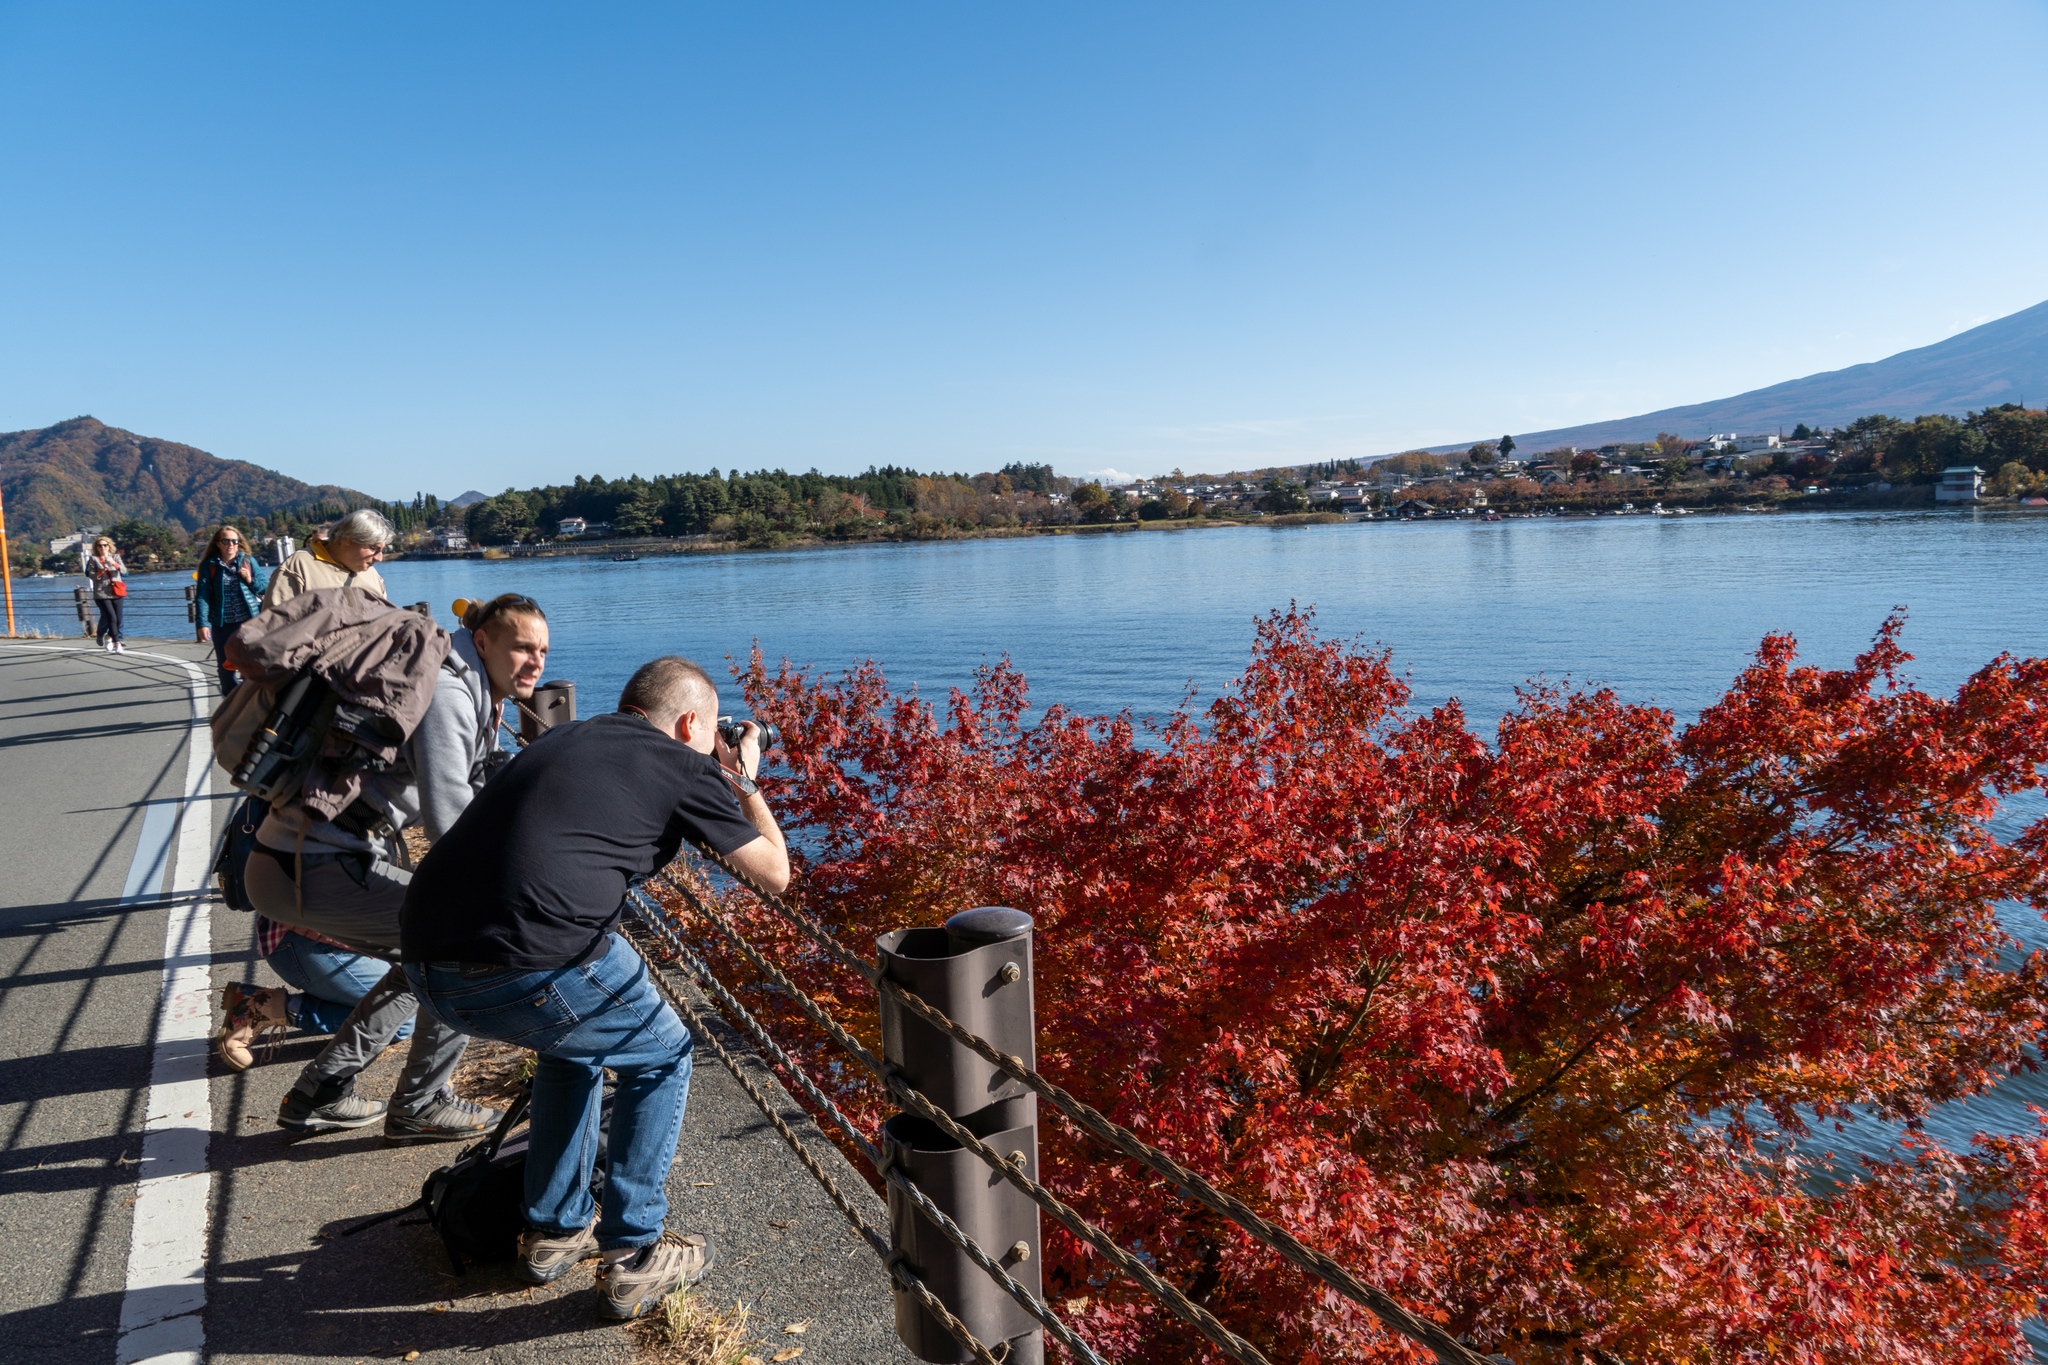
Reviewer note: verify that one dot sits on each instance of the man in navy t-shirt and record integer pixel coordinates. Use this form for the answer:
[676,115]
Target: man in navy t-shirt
[508,933]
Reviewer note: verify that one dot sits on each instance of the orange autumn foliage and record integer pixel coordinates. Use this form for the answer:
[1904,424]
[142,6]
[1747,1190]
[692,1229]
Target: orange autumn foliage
[1534,1034]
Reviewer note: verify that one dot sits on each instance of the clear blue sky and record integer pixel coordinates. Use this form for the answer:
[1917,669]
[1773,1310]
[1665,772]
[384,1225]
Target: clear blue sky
[413,247]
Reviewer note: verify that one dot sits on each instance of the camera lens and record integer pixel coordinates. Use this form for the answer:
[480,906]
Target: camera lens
[732,733]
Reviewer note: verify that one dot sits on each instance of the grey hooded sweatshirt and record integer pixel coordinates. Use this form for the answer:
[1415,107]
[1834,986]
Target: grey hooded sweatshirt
[446,757]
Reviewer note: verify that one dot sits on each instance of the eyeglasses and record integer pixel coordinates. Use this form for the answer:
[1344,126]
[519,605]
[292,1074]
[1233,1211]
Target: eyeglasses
[231,540]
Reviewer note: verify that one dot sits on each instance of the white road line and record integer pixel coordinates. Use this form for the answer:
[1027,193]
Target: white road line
[161,1308]
[152,852]
[165,1295]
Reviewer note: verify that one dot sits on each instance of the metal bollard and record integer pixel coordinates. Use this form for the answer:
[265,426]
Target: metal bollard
[977,971]
[553,704]
[192,607]
[423,609]
[81,597]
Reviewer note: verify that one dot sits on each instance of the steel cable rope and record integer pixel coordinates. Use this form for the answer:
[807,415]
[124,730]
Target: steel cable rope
[1205,1322]
[890,1260]
[654,915]
[957,1235]
[1185,1182]
[650,912]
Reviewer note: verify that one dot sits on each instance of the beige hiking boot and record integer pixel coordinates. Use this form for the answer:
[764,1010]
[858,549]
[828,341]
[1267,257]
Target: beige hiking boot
[628,1288]
[252,1013]
[544,1259]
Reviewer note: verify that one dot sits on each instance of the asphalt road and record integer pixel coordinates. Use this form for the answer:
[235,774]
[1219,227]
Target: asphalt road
[188,1225]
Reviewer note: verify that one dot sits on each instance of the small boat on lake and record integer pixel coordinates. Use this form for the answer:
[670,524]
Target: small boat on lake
[625,557]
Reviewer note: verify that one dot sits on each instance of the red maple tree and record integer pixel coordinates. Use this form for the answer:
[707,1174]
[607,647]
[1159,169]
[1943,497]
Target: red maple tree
[1542,1036]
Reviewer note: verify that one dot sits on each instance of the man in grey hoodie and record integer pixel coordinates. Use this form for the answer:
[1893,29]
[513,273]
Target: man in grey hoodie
[348,884]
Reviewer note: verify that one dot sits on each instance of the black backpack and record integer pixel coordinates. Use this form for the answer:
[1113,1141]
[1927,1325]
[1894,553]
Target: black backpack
[235,847]
[475,1203]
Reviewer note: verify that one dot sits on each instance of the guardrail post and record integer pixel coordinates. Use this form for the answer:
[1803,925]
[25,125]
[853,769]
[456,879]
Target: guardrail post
[81,597]
[192,607]
[977,971]
[553,704]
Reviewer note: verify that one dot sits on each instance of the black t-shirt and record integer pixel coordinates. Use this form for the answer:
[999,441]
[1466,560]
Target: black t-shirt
[534,873]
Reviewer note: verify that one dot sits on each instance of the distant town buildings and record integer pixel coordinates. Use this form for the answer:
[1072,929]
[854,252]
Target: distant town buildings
[1741,445]
[77,540]
[571,526]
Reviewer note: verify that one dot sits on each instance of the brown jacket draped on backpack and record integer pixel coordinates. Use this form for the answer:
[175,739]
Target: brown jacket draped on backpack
[379,660]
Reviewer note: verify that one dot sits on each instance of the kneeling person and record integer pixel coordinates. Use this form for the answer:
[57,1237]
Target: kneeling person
[508,934]
[348,885]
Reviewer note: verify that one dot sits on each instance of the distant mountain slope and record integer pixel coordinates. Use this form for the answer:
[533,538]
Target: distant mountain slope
[83,472]
[467,498]
[2005,361]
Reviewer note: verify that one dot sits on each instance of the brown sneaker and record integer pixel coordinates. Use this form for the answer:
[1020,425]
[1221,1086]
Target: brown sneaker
[253,1012]
[628,1288]
[544,1259]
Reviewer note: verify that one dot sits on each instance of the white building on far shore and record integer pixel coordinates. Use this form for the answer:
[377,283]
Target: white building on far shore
[1960,483]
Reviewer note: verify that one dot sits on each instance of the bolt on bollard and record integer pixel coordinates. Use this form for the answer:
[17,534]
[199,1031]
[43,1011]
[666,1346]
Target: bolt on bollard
[977,971]
[552,704]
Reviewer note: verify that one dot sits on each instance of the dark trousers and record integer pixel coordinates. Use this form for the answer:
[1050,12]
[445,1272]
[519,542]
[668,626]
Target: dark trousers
[221,636]
[110,618]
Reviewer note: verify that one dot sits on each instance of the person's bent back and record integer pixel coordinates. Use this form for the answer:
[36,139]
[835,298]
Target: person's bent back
[508,933]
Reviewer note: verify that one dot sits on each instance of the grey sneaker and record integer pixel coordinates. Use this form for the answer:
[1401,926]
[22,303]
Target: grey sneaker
[445,1118]
[628,1288]
[544,1259]
[334,1105]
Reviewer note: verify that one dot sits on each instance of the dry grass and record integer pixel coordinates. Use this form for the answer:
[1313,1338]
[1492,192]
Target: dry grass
[690,1330]
[493,1072]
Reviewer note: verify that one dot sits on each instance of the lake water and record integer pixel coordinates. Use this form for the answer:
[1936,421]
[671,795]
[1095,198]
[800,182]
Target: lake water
[1663,610]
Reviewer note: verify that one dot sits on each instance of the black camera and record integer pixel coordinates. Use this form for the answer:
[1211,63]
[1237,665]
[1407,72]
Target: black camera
[730,731]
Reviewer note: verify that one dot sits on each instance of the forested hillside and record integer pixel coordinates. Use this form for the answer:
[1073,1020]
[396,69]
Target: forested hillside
[85,473]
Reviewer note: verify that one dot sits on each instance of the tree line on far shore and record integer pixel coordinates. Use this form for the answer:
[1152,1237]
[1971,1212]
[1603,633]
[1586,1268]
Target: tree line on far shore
[147,543]
[772,507]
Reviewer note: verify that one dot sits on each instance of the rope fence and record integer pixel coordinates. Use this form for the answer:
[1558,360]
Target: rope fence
[1182,1181]
[901,1273]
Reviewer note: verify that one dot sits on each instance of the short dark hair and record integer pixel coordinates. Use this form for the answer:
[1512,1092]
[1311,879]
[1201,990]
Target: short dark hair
[480,614]
[662,689]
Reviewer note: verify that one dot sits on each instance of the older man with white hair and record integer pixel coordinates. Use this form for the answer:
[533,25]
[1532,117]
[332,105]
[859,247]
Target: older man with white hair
[347,558]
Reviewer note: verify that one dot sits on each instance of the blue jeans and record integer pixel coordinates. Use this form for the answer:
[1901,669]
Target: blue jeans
[581,1020]
[332,979]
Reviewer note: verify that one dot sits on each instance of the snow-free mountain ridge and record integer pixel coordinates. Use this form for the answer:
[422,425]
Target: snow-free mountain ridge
[2004,361]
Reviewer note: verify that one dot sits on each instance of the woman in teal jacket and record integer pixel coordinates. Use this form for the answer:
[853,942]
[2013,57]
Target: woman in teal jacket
[230,592]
